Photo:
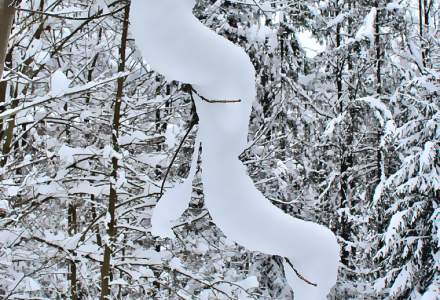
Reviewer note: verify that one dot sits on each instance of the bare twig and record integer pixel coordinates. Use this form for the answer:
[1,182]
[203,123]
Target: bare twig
[299,274]
[60,16]
[191,126]
[210,100]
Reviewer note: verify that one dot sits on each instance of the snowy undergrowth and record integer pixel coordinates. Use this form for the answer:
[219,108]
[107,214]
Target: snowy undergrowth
[178,46]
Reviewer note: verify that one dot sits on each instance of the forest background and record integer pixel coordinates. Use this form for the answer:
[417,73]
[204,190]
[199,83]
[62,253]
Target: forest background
[345,131]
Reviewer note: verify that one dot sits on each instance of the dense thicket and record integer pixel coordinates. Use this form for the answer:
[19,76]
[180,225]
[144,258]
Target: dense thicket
[90,137]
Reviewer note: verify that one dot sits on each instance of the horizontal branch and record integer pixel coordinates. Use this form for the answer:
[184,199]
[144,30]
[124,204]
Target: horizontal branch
[60,16]
[49,97]
[214,101]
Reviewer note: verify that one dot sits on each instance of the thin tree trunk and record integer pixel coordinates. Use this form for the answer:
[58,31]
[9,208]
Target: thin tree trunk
[426,8]
[380,152]
[8,134]
[346,159]
[422,43]
[94,216]
[73,229]
[113,198]
[378,86]
[339,65]
[4,92]
[6,17]
[339,68]
[378,51]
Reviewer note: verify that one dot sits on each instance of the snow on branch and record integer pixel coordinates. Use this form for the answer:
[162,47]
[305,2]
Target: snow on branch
[53,96]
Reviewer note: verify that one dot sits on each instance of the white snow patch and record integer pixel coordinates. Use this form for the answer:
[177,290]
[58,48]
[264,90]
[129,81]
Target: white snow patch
[67,154]
[338,19]
[430,296]
[330,128]
[136,136]
[59,83]
[4,205]
[153,159]
[118,281]
[367,29]
[30,285]
[52,189]
[395,223]
[378,192]
[84,187]
[249,283]
[34,47]
[428,156]
[309,43]
[393,6]
[379,105]
[171,135]
[174,202]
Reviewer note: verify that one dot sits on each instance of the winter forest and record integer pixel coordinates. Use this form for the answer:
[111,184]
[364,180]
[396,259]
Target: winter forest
[143,156]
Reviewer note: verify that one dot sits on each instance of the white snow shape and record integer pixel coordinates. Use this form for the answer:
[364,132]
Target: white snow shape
[367,28]
[177,45]
[59,82]
[174,202]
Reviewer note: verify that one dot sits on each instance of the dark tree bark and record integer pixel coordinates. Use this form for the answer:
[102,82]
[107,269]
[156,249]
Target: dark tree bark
[379,162]
[6,17]
[345,158]
[113,198]
[426,8]
[73,229]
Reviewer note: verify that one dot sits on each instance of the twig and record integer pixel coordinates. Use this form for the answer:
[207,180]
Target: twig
[188,222]
[49,97]
[191,126]
[299,274]
[206,284]
[60,16]
[212,101]
[261,9]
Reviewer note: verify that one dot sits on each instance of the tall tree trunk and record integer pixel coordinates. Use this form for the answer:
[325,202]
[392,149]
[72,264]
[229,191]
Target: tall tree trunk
[8,133]
[426,9]
[113,198]
[422,43]
[339,64]
[378,50]
[6,17]
[341,220]
[380,156]
[73,229]
[94,216]
[381,173]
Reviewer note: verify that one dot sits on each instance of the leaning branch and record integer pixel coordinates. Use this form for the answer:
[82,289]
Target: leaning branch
[299,274]
[162,186]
